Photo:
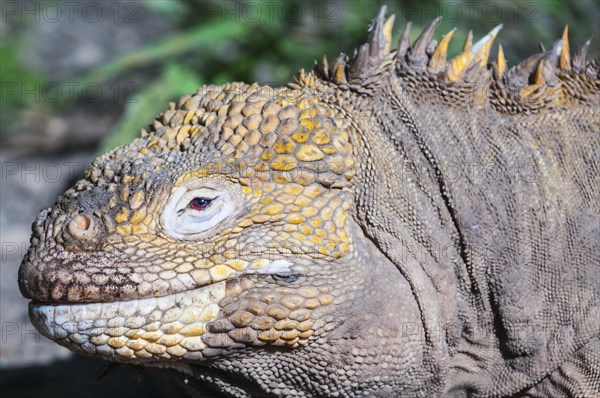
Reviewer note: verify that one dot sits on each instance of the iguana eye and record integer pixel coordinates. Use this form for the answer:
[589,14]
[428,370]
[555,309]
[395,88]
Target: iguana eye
[200,204]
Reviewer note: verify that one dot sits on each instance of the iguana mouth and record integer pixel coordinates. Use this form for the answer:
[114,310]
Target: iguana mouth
[195,324]
[154,327]
[164,326]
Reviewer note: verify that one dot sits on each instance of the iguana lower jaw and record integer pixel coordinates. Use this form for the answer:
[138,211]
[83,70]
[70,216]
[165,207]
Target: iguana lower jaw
[191,325]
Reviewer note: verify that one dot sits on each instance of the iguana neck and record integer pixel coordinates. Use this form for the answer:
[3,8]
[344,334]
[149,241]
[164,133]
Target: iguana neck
[492,178]
[390,205]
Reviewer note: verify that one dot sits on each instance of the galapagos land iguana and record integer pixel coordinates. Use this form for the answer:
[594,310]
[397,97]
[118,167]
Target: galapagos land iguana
[391,224]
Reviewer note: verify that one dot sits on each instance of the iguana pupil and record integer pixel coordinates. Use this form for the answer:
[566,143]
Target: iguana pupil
[200,203]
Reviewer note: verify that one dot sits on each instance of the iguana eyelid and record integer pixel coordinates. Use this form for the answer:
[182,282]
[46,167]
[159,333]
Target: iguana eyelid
[181,222]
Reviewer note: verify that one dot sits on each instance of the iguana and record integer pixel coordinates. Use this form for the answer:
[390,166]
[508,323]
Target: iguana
[391,224]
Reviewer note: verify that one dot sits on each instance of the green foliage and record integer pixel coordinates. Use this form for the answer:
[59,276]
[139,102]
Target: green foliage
[209,37]
[13,77]
[12,70]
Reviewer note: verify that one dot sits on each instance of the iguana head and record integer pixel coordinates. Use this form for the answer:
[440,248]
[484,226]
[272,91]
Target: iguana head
[201,235]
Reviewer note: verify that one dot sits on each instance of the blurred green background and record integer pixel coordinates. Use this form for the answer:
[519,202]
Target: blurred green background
[200,42]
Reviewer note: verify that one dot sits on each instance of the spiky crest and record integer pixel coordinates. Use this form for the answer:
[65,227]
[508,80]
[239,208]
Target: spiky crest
[545,79]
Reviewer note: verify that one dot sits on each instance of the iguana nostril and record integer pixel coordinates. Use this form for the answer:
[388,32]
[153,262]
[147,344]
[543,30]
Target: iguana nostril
[82,227]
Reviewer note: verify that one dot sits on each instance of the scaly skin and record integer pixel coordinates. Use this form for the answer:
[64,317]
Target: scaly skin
[356,251]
